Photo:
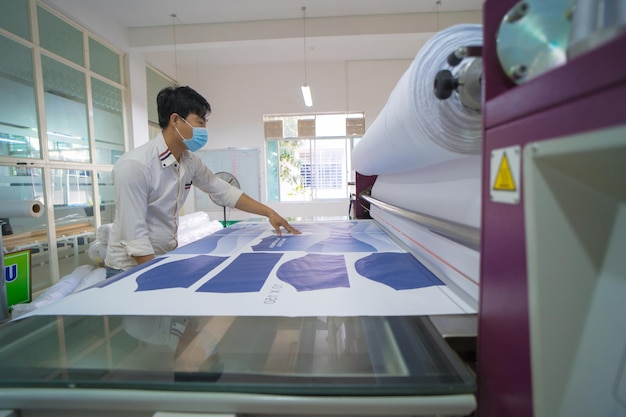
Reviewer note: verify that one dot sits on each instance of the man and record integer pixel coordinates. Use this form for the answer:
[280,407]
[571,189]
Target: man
[153,181]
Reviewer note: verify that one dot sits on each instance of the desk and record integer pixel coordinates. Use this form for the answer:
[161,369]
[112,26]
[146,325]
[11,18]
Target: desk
[65,235]
[27,239]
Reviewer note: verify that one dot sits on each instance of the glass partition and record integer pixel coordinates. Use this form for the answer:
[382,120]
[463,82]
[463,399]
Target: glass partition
[107,197]
[60,37]
[155,82]
[15,17]
[104,61]
[73,201]
[66,111]
[18,114]
[26,232]
[108,121]
[46,136]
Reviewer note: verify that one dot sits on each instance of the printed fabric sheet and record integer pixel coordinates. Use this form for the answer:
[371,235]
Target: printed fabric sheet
[335,268]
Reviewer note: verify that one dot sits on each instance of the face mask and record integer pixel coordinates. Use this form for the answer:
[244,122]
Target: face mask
[199,138]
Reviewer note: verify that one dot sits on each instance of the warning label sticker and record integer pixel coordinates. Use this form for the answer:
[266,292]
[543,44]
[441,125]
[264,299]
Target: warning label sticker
[505,175]
[504,178]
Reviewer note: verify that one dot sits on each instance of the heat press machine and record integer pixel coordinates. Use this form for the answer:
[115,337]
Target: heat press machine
[523,220]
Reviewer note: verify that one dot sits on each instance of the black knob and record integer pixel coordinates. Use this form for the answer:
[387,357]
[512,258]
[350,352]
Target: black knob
[454,59]
[445,84]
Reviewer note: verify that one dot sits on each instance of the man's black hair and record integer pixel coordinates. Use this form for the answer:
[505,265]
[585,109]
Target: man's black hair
[182,100]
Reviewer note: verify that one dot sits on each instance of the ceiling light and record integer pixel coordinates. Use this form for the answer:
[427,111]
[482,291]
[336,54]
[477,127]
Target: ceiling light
[306,95]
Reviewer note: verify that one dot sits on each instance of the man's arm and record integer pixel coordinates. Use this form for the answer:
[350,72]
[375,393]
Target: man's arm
[250,205]
[131,185]
[143,259]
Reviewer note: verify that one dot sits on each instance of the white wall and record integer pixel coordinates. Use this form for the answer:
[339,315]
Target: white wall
[240,96]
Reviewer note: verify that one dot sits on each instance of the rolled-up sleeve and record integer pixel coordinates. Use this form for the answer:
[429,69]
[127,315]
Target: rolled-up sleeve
[132,182]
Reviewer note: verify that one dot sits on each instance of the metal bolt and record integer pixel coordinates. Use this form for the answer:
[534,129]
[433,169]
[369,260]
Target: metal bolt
[517,12]
[518,72]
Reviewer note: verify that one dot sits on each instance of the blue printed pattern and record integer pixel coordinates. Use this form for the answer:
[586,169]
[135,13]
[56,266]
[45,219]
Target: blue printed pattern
[315,272]
[247,273]
[178,274]
[341,243]
[400,271]
[331,237]
[124,274]
[200,246]
[227,240]
[337,242]
[244,228]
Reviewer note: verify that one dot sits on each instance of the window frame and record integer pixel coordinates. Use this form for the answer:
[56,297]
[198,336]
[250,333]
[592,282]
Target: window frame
[277,171]
[42,162]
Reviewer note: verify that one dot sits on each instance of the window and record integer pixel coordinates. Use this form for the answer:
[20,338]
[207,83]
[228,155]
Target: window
[309,156]
[155,82]
[15,19]
[108,121]
[18,115]
[66,111]
[58,150]
[60,37]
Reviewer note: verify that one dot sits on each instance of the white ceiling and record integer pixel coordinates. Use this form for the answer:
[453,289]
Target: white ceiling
[151,22]
[144,13]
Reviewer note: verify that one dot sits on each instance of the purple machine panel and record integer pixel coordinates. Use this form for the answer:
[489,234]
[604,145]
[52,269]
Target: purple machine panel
[586,94]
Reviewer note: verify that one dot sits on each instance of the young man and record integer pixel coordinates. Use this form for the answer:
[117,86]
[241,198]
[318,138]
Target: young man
[152,182]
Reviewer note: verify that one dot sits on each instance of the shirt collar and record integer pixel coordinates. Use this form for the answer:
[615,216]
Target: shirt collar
[165,155]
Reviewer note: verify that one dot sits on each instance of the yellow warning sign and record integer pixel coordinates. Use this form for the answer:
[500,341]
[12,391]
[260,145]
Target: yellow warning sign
[504,179]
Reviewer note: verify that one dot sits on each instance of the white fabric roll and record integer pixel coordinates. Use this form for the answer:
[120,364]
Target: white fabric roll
[21,208]
[449,190]
[92,278]
[97,251]
[103,232]
[194,226]
[414,128]
[59,290]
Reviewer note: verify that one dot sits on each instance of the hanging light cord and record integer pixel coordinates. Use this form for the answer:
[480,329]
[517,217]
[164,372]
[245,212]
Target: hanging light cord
[175,46]
[304,44]
[436,10]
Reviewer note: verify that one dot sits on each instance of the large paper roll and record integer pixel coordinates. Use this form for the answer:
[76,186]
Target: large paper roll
[21,208]
[414,128]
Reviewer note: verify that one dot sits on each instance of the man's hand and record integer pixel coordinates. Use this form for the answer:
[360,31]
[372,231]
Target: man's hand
[277,222]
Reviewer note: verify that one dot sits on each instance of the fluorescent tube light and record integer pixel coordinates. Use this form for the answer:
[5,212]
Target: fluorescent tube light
[306,94]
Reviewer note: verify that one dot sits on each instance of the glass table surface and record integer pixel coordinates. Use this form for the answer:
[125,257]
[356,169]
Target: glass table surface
[327,356]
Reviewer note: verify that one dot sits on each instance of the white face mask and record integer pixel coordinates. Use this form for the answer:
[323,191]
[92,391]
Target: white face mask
[198,139]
